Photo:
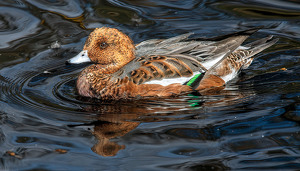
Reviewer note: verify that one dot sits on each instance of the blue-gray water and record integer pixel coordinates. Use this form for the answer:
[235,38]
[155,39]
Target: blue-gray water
[253,124]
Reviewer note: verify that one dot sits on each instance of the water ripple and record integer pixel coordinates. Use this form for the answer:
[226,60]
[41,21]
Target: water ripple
[70,9]
[15,24]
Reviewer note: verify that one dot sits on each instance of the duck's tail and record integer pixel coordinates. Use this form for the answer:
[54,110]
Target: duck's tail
[228,67]
[223,47]
[256,47]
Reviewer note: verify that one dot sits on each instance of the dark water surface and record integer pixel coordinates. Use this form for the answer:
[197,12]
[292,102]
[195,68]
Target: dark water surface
[44,124]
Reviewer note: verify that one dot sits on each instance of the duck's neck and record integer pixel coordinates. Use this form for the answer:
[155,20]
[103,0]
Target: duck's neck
[95,78]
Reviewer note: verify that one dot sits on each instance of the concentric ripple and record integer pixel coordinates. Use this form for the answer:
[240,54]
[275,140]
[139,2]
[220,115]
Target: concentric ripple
[35,86]
[48,86]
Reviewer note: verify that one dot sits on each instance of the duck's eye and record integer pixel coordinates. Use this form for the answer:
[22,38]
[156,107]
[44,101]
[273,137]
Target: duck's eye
[103,45]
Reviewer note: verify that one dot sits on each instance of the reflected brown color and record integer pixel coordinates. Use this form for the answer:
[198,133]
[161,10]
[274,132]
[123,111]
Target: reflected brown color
[118,119]
[106,131]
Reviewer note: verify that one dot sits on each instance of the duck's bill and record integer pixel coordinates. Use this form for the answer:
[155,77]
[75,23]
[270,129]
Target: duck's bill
[82,57]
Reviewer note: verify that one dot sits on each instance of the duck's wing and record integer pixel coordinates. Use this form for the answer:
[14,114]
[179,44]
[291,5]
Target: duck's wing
[178,59]
[207,51]
[163,68]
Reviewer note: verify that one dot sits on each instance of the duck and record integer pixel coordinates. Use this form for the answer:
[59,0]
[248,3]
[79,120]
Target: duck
[120,69]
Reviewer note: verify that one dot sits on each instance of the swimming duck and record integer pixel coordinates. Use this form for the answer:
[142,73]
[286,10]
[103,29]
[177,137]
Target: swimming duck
[161,67]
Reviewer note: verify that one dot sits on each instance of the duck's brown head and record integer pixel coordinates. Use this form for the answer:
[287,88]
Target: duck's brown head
[106,46]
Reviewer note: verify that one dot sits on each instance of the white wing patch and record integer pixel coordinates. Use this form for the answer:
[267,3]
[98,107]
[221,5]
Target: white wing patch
[242,47]
[210,63]
[168,81]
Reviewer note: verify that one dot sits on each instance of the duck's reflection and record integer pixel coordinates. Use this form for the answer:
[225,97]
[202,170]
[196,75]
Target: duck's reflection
[105,131]
[118,119]
[114,120]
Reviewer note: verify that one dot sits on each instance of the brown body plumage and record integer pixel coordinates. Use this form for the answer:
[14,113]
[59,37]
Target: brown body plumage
[122,70]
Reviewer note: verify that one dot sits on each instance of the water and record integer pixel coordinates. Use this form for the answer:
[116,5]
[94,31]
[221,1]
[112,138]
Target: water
[44,124]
